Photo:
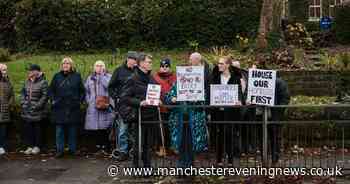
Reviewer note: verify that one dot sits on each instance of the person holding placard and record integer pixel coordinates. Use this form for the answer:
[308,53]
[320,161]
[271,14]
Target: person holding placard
[188,138]
[133,97]
[280,97]
[226,134]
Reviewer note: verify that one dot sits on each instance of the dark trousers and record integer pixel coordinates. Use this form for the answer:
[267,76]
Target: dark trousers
[33,134]
[226,136]
[273,138]
[145,143]
[165,118]
[100,137]
[3,131]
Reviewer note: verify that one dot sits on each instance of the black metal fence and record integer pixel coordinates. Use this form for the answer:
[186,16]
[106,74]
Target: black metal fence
[321,142]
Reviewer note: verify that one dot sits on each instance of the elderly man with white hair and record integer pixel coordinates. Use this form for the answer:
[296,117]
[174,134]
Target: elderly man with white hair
[99,115]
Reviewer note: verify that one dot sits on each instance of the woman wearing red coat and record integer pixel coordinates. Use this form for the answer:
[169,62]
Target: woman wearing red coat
[166,79]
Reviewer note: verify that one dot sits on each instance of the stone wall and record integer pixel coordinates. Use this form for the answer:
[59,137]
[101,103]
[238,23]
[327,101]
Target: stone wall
[315,83]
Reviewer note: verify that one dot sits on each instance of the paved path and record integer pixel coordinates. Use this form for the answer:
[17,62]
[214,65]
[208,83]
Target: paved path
[44,169]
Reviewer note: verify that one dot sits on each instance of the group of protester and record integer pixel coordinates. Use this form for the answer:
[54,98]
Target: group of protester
[118,97]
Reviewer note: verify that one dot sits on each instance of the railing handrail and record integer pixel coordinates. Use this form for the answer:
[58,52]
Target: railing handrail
[254,106]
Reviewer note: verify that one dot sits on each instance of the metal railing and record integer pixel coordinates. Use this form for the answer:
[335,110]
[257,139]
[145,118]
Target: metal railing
[290,138]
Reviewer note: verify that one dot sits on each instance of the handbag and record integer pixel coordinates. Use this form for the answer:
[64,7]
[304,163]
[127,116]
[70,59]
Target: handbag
[102,102]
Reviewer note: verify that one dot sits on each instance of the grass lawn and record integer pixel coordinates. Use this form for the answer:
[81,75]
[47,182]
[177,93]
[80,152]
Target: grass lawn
[50,64]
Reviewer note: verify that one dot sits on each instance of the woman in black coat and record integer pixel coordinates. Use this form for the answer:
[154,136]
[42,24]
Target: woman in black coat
[67,93]
[226,134]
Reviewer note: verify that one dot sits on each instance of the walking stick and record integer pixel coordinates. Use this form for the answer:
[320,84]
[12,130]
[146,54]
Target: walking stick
[162,151]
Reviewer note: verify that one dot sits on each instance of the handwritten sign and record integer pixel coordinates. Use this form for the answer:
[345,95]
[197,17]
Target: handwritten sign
[153,94]
[221,95]
[190,83]
[261,87]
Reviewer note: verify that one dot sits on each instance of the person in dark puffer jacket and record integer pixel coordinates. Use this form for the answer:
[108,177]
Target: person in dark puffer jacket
[34,97]
[6,99]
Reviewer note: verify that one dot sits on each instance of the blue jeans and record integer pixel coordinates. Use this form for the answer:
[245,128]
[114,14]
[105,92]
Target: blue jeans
[122,136]
[2,135]
[72,138]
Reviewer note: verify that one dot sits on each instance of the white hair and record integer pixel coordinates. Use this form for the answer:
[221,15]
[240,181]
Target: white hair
[3,66]
[196,56]
[236,64]
[101,63]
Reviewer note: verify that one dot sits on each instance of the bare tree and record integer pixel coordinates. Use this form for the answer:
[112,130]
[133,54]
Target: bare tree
[270,17]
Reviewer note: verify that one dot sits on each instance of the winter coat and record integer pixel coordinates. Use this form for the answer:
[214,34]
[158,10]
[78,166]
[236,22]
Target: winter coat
[229,113]
[34,97]
[282,97]
[197,123]
[133,93]
[97,119]
[118,80]
[166,81]
[67,93]
[6,99]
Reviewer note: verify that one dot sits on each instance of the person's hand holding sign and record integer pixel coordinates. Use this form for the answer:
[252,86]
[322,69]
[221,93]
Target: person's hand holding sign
[173,100]
[143,103]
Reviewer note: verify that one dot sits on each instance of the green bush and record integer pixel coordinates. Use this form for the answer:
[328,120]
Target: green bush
[342,24]
[94,24]
[4,55]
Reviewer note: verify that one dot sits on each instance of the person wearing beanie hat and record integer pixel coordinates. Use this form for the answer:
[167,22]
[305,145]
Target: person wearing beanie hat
[115,88]
[34,98]
[166,78]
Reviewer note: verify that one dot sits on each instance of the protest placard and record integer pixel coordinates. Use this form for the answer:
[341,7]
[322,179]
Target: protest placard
[153,94]
[190,83]
[221,95]
[261,87]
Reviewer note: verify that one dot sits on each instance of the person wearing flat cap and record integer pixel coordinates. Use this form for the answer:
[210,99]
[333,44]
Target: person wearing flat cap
[34,98]
[115,88]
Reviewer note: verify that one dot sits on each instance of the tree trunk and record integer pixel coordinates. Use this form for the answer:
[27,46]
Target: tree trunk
[265,24]
[270,21]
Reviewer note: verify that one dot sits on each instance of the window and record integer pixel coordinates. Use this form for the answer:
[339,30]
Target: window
[332,6]
[315,10]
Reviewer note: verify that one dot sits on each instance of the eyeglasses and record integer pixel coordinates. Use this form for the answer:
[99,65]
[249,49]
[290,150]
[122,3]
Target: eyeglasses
[164,66]
[221,63]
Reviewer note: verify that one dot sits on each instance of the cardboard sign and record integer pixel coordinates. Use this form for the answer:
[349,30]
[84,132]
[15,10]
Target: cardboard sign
[153,94]
[190,83]
[261,87]
[221,95]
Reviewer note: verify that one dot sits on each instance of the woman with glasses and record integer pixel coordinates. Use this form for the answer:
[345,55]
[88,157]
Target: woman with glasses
[166,79]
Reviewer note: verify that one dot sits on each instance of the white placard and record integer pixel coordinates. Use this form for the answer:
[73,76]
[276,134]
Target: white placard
[153,94]
[221,95]
[190,83]
[261,87]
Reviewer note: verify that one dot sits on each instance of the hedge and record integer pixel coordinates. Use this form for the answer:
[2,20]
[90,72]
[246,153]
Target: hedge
[95,24]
